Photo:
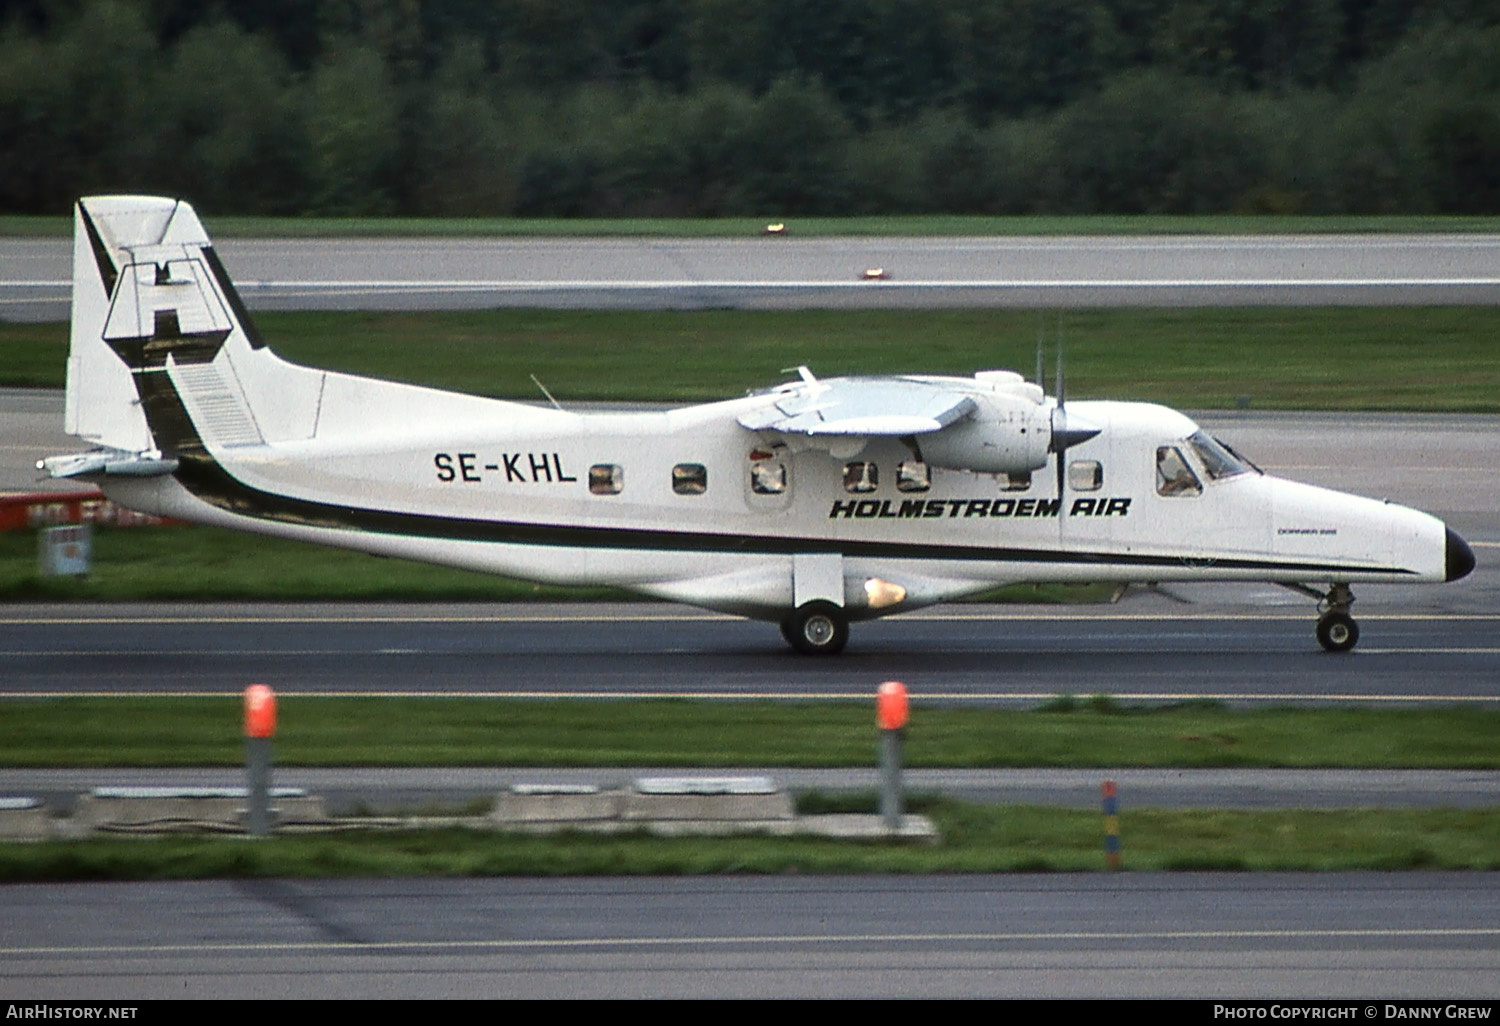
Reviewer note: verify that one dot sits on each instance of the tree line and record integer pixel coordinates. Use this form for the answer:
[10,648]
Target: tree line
[713,107]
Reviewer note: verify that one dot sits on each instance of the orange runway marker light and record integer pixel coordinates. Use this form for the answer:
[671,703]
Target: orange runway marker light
[260,711]
[891,705]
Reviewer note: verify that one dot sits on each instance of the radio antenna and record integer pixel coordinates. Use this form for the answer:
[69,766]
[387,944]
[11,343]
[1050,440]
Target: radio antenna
[546,393]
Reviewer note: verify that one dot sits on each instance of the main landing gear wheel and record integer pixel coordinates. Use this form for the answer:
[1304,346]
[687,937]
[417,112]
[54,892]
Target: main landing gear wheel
[818,628]
[1337,632]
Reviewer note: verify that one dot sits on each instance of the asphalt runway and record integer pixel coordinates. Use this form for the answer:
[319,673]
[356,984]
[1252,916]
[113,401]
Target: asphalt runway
[1138,651]
[1346,937]
[792,273]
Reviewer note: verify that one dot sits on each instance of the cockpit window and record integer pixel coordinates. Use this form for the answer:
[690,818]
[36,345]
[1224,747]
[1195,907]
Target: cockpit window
[1219,461]
[1173,476]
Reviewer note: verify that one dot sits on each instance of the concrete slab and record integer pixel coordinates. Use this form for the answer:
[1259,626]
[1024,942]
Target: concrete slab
[670,807]
[561,806]
[187,808]
[736,808]
[23,819]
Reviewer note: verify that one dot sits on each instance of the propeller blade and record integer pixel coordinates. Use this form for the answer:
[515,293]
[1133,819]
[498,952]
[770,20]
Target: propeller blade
[1041,379]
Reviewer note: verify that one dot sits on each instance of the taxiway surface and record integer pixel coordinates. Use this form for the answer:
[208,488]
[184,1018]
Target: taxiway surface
[1343,936]
[790,272]
[1153,649]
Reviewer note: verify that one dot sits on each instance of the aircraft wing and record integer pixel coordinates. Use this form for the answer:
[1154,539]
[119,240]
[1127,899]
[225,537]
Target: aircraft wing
[862,408]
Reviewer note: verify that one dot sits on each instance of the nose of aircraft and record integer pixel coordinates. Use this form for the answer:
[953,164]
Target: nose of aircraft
[1460,558]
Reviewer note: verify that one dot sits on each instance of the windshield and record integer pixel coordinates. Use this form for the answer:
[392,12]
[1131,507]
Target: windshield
[1218,459]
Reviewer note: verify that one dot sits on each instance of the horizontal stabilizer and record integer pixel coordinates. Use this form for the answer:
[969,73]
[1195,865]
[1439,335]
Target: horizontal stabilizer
[107,461]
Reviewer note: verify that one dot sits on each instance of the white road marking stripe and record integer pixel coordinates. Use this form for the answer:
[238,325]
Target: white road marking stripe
[242,653]
[948,613]
[786,695]
[511,944]
[511,285]
[584,284]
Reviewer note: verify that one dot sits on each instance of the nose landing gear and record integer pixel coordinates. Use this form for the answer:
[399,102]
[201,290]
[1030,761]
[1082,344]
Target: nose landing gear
[1337,630]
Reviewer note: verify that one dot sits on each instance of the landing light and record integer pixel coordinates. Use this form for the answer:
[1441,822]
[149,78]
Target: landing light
[883,594]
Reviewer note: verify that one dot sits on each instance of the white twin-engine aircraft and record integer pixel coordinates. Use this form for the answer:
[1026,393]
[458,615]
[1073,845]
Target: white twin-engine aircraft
[811,504]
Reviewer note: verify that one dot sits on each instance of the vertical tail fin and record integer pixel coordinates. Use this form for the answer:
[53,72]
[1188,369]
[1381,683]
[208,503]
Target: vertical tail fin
[159,334]
[139,280]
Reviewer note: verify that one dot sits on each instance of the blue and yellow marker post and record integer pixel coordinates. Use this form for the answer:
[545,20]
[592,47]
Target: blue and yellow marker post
[1111,825]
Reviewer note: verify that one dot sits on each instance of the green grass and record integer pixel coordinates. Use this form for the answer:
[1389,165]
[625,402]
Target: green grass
[909,225]
[315,731]
[974,839]
[1394,358]
[33,355]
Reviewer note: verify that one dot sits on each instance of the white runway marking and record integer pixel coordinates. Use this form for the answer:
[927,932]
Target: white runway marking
[511,944]
[946,613]
[862,697]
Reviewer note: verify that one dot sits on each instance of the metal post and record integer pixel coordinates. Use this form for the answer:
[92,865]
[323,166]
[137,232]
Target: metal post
[890,779]
[258,776]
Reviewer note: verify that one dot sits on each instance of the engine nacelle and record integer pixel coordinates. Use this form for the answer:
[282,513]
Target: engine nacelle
[1006,434]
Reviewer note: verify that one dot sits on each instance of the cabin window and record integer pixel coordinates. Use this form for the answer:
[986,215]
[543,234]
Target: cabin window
[606,479]
[690,479]
[767,477]
[861,477]
[1017,482]
[913,476]
[1173,475]
[1085,475]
